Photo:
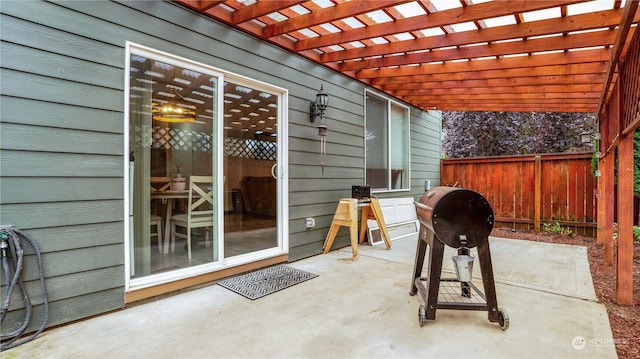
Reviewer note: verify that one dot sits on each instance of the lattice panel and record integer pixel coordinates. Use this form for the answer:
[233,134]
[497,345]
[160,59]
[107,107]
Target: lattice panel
[249,148]
[177,139]
[630,74]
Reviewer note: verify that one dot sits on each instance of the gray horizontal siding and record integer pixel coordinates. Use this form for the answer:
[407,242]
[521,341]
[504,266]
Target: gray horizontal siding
[425,150]
[48,164]
[60,66]
[37,87]
[25,24]
[60,189]
[75,284]
[62,133]
[68,310]
[54,214]
[67,238]
[51,114]
[47,139]
[58,264]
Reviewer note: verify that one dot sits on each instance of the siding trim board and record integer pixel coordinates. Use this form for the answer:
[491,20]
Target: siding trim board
[62,135]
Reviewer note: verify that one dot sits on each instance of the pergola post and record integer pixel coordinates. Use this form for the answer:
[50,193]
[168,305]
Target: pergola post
[624,265]
[623,116]
[606,206]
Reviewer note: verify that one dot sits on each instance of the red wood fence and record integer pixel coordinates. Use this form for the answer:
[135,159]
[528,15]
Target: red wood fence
[529,191]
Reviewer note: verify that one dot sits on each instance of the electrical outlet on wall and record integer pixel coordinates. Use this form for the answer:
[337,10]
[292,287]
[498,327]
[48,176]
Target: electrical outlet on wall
[309,222]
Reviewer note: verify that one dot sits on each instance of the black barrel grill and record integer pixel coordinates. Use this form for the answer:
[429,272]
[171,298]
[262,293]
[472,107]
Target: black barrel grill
[461,219]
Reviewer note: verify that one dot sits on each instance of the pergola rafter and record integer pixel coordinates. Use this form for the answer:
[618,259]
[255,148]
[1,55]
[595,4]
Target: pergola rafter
[425,44]
[435,19]
[588,21]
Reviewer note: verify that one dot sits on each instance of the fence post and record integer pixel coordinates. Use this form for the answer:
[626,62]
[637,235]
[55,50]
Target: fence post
[537,207]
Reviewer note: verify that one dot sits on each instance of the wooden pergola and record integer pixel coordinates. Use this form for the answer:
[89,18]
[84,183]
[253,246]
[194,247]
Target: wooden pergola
[479,55]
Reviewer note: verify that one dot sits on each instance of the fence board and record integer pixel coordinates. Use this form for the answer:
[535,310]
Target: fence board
[567,194]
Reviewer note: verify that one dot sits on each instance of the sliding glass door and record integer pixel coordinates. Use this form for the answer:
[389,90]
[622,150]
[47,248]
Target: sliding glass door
[202,169]
[250,168]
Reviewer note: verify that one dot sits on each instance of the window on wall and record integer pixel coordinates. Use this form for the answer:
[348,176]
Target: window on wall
[387,144]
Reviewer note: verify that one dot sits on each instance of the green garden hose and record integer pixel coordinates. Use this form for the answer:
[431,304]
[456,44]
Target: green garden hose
[11,248]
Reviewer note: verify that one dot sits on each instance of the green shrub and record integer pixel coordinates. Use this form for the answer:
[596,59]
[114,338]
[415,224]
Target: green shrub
[556,228]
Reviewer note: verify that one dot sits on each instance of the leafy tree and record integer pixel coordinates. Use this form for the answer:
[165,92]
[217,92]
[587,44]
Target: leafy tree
[473,134]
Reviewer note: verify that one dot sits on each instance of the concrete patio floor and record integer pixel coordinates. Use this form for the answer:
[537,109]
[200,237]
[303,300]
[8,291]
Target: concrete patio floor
[359,309]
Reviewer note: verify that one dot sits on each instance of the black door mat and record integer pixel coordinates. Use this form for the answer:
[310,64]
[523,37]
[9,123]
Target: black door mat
[266,281]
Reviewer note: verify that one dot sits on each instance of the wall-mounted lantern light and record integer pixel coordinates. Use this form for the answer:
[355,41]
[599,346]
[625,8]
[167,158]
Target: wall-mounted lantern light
[316,109]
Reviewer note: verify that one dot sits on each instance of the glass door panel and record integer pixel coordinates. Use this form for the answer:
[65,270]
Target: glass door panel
[250,183]
[173,161]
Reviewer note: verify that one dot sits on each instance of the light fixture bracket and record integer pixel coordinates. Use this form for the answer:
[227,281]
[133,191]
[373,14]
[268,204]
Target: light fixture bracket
[313,111]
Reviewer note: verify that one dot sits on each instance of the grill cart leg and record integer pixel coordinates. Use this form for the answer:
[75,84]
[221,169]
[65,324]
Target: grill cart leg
[484,256]
[429,293]
[435,269]
[419,261]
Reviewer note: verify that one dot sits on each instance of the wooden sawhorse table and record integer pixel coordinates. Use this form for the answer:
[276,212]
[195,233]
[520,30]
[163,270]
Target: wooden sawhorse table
[347,215]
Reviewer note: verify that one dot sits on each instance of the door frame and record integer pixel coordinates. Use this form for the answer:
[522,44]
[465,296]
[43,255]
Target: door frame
[282,177]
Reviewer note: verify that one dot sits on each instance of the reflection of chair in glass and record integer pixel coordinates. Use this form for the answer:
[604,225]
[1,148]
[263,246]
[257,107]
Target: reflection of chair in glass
[156,221]
[159,184]
[199,211]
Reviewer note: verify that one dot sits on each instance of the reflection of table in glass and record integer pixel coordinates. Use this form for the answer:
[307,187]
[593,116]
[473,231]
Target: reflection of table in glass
[170,196]
[347,215]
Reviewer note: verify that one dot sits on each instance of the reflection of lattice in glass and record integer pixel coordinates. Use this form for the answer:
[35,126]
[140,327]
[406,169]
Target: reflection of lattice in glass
[202,141]
[233,147]
[178,139]
[160,137]
[249,148]
[181,140]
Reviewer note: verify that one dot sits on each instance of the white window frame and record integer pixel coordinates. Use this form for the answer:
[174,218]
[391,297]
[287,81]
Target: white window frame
[389,142]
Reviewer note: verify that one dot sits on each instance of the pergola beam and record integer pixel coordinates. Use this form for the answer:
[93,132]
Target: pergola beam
[595,79]
[507,96]
[563,58]
[511,108]
[585,40]
[546,89]
[598,68]
[526,101]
